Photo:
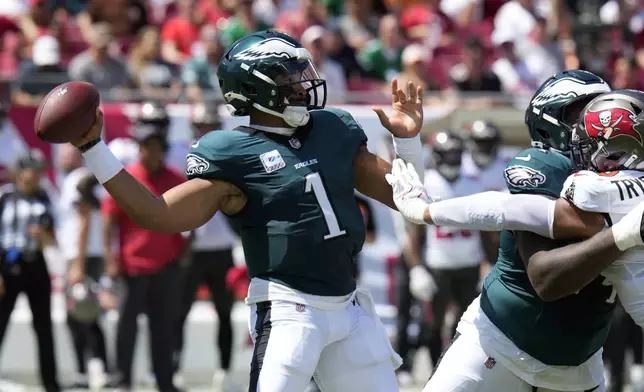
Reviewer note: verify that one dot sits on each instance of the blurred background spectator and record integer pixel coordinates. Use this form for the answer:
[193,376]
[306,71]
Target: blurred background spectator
[295,22]
[415,64]
[199,73]
[155,77]
[328,69]
[381,57]
[171,47]
[96,65]
[38,77]
[242,23]
[472,74]
[181,32]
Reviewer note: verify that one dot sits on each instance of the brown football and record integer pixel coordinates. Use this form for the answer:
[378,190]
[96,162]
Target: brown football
[67,112]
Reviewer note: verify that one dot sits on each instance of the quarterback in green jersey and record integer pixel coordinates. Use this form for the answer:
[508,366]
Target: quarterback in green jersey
[520,334]
[287,182]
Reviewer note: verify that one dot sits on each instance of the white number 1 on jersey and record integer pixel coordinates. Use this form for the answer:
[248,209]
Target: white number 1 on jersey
[314,183]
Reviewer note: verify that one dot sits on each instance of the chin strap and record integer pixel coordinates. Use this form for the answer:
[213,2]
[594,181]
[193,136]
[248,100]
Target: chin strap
[295,116]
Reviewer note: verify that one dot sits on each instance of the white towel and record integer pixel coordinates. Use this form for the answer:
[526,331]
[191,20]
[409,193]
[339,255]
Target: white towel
[366,302]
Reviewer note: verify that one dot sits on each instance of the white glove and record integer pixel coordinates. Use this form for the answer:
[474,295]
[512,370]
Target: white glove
[409,193]
[421,283]
[628,231]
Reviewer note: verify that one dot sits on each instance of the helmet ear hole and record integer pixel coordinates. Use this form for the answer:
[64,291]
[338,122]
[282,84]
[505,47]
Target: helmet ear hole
[249,89]
[544,134]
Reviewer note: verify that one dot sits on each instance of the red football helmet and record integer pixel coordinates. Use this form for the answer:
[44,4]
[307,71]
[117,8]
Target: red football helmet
[610,133]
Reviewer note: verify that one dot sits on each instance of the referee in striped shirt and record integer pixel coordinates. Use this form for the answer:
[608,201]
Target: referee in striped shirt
[26,227]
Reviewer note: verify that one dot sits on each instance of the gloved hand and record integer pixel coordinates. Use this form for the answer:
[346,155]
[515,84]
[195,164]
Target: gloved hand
[421,283]
[409,192]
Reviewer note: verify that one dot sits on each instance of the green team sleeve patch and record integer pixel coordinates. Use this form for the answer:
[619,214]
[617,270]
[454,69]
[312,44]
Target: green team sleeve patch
[538,172]
[216,156]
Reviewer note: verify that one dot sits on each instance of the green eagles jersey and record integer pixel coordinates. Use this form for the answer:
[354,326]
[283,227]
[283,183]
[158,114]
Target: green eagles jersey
[565,332]
[301,226]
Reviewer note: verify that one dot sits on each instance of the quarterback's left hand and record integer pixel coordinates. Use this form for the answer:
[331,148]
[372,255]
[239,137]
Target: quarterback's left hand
[406,119]
[409,194]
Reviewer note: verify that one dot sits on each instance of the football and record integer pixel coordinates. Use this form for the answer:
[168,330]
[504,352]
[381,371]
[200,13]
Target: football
[67,112]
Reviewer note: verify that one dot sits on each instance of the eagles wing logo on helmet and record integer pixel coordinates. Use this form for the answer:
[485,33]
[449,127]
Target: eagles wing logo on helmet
[567,88]
[196,164]
[269,48]
[523,176]
[612,123]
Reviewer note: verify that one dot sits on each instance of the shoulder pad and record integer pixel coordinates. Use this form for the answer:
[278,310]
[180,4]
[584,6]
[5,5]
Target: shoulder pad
[612,192]
[346,117]
[537,171]
[348,130]
[587,191]
[217,155]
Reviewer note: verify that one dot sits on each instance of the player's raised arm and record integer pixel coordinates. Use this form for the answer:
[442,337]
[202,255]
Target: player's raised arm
[182,208]
[491,211]
[404,123]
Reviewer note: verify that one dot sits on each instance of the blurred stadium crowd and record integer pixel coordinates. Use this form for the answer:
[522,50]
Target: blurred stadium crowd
[167,49]
[489,51]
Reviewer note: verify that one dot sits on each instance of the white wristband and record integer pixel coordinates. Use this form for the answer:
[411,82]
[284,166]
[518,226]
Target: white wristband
[627,232]
[102,162]
[411,151]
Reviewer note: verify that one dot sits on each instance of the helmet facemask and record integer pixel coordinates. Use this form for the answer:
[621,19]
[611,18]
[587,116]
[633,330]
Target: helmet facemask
[295,88]
[447,155]
[448,163]
[484,151]
[299,89]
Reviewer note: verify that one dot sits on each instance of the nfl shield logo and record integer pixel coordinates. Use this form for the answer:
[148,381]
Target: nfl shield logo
[489,363]
[295,143]
[299,308]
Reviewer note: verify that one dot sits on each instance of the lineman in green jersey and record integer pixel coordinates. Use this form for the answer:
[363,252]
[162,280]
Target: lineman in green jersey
[287,182]
[517,336]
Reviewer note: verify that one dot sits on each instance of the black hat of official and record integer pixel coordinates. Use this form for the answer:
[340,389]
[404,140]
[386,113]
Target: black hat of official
[34,159]
[153,122]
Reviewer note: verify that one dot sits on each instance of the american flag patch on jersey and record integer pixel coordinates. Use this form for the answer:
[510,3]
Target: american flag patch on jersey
[489,362]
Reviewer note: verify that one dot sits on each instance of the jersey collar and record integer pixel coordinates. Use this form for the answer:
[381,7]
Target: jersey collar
[277,130]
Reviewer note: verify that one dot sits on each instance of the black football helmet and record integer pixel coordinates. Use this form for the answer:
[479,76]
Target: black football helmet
[154,114]
[482,140]
[447,153]
[153,121]
[271,72]
[205,118]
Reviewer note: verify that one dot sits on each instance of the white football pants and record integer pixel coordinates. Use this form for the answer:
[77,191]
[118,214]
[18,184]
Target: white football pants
[343,348]
[465,367]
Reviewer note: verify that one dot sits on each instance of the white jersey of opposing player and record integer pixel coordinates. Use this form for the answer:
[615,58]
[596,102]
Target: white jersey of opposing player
[491,178]
[449,247]
[615,194]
